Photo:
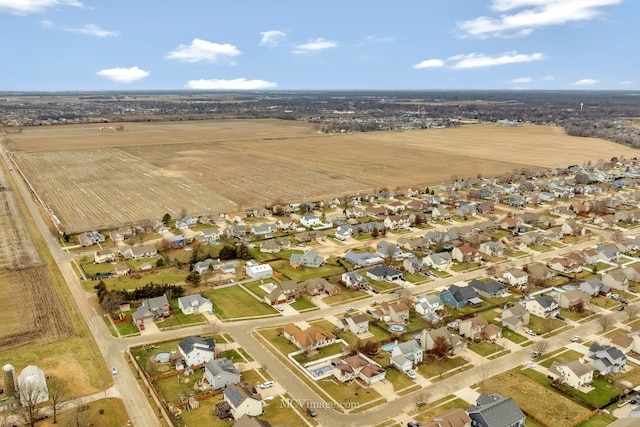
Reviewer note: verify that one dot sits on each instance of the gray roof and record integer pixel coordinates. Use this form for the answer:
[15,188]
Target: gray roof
[495,411]
[487,287]
[462,293]
[237,393]
[546,301]
[218,366]
[187,344]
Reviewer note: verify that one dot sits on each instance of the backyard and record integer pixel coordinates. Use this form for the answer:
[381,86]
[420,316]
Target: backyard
[233,302]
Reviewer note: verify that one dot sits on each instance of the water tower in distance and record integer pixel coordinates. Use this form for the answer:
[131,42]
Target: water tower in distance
[10,383]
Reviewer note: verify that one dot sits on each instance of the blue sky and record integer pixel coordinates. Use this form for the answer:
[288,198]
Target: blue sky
[55,45]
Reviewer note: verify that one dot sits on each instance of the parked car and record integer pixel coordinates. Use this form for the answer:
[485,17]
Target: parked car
[411,374]
[536,354]
[530,364]
[349,308]
[375,291]
[575,338]
[560,317]
[114,370]
[312,412]
[279,308]
[267,384]
[412,424]
[620,308]
[530,332]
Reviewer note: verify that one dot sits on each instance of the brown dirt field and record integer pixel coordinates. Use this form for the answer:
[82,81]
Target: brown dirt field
[546,404]
[33,312]
[217,166]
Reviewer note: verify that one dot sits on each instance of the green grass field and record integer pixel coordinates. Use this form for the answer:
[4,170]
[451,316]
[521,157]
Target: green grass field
[233,302]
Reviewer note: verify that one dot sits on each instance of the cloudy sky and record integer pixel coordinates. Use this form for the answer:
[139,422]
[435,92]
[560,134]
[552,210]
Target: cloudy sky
[295,45]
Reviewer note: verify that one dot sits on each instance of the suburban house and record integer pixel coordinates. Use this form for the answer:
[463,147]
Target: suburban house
[196,351]
[358,367]
[572,228]
[173,241]
[515,317]
[310,221]
[564,265]
[539,272]
[515,277]
[121,269]
[543,306]
[574,374]
[104,255]
[90,238]
[616,279]
[210,235]
[318,285]
[454,417]
[264,230]
[633,272]
[388,250]
[208,264]
[430,336]
[414,265]
[193,304]
[358,324]
[406,355]
[569,299]
[236,231]
[428,304]
[594,287]
[286,223]
[235,216]
[496,411]
[258,271]
[591,256]
[489,289]
[460,296]
[220,373]
[397,312]
[239,400]
[186,222]
[345,232]
[397,222]
[382,272]
[440,261]
[32,378]
[308,338]
[493,249]
[478,328]
[606,359]
[283,292]
[610,252]
[465,253]
[309,259]
[353,280]
[152,309]
[363,259]
[135,252]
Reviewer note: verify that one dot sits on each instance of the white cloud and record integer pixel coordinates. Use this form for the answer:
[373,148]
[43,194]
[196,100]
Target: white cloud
[585,82]
[202,50]
[25,7]
[429,63]
[124,75]
[233,84]
[47,24]
[522,17]
[314,45]
[93,30]
[478,60]
[627,82]
[549,78]
[272,38]
[521,80]
[376,40]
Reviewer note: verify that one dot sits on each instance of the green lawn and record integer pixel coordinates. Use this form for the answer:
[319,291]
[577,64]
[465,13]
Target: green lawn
[234,302]
[275,337]
[320,353]
[400,380]
[485,348]
[167,275]
[513,336]
[134,264]
[431,369]
[255,288]
[601,394]
[345,295]
[415,278]
[303,304]
[180,319]
[465,266]
[382,285]
[352,392]
[596,421]
[232,355]
[127,328]
[562,357]
[540,325]
[426,413]
[301,274]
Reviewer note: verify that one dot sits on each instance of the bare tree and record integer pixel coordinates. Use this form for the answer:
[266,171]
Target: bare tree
[31,398]
[80,419]
[58,396]
[484,372]
[632,311]
[406,296]
[422,397]
[541,346]
[606,321]
[440,346]
[441,366]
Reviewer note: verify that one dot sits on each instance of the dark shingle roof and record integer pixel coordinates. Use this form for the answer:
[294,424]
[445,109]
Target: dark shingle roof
[495,411]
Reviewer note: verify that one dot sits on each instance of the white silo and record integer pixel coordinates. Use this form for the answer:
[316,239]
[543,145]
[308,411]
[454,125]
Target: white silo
[10,384]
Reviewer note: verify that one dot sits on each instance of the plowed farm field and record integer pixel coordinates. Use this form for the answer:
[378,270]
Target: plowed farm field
[32,311]
[95,179]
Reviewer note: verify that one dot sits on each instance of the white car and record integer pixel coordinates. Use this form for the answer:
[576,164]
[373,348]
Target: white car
[114,370]
[530,364]
[267,384]
[530,332]
[411,374]
[575,338]
[279,308]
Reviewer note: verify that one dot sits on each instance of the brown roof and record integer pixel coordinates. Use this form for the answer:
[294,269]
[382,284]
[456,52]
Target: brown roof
[307,337]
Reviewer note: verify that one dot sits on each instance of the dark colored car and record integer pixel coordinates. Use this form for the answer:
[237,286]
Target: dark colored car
[312,412]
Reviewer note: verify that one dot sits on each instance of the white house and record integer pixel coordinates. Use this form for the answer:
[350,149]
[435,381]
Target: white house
[358,324]
[574,374]
[310,221]
[429,304]
[517,278]
[543,306]
[193,304]
[440,261]
[406,355]
[239,400]
[196,350]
